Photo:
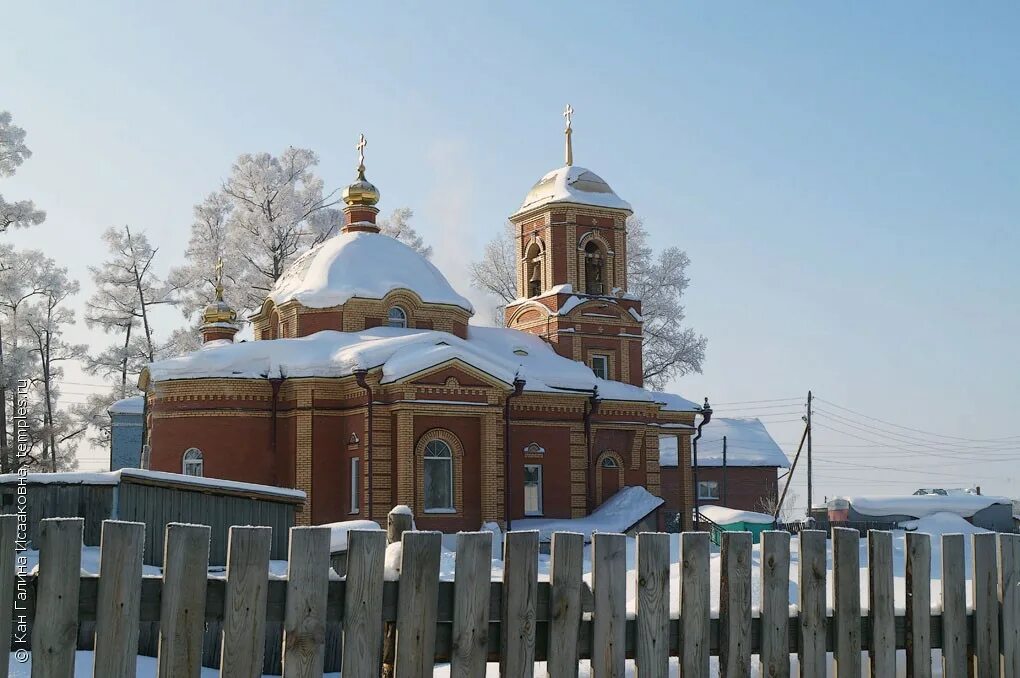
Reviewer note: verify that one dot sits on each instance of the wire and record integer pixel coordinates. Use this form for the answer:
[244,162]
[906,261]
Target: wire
[914,439]
[748,402]
[917,430]
[898,438]
[909,451]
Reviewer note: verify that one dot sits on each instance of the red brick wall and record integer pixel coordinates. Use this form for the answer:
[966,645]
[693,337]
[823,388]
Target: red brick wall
[746,486]
[555,468]
[235,448]
[468,431]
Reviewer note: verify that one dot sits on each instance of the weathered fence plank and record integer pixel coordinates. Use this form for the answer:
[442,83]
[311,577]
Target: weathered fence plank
[182,605]
[954,607]
[244,616]
[735,605]
[775,604]
[918,598]
[304,623]
[53,640]
[695,607]
[8,535]
[520,591]
[119,599]
[811,592]
[419,593]
[565,603]
[363,601]
[881,603]
[986,605]
[846,565]
[652,651]
[1009,599]
[609,573]
[471,604]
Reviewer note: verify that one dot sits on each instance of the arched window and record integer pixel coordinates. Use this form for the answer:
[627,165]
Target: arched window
[533,269]
[396,317]
[610,462]
[438,476]
[275,330]
[192,463]
[593,273]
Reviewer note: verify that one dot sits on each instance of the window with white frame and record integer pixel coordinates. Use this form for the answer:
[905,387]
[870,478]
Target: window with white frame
[708,489]
[396,317]
[532,489]
[192,463]
[438,477]
[355,484]
[600,366]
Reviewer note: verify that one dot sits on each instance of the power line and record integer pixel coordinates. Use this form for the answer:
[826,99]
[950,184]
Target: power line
[917,430]
[912,442]
[915,439]
[748,402]
[909,451]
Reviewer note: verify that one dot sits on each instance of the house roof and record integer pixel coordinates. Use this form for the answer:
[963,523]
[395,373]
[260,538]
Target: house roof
[748,443]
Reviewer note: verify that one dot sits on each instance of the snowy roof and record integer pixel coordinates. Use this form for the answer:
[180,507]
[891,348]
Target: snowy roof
[132,405]
[502,353]
[572,184]
[747,444]
[619,513]
[114,478]
[366,265]
[727,516]
[922,505]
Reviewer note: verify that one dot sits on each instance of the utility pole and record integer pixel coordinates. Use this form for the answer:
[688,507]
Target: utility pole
[809,504]
[725,485]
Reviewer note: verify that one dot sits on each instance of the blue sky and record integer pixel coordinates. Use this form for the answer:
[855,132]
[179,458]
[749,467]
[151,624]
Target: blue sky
[843,176]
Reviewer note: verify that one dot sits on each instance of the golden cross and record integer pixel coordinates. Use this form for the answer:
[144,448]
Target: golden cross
[567,113]
[361,151]
[219,278]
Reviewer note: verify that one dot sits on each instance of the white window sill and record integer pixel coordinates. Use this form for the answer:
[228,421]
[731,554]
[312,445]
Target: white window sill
[534,515]
[441,510]
[354,513]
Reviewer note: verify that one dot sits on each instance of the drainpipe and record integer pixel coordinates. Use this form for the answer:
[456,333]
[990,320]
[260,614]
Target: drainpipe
[361,377]
[507,485]
[274,384]
[706,416]
[591,408]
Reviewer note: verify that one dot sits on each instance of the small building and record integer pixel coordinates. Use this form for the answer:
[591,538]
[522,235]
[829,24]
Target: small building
[155,499]
[127,429]
[732,520]
[987,512]
[740,473]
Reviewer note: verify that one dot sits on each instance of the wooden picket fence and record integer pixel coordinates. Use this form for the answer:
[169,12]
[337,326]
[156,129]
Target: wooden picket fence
[473,619]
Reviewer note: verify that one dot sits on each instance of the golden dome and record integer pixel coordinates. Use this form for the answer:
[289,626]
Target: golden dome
[361,193]
[219,311]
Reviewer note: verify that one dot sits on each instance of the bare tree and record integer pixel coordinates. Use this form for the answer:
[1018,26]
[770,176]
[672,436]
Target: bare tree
[670,349]
[13,152]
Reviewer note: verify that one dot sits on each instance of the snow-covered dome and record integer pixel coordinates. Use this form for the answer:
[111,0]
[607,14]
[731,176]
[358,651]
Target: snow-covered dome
[573,184]
[362,264]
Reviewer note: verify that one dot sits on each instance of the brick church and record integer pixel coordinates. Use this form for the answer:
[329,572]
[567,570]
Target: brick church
[367,386]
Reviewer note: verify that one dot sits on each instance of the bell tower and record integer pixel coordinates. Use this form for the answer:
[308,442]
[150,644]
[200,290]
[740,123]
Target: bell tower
[570,238]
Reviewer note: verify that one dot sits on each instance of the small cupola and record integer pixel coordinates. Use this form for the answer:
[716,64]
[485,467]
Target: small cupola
[219,320]
[360,198]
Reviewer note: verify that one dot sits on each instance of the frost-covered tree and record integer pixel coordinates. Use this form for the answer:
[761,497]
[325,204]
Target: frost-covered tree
[33,315]
[44,322]
[127,289]
[275,205]
[397,225]
[670,349]
[13,152]
[207,246]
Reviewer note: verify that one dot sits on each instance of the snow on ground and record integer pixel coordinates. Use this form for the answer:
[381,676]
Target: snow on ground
[621,512]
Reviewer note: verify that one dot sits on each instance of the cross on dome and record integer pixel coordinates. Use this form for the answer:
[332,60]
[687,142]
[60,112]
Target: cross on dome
[361,153]
[568,113]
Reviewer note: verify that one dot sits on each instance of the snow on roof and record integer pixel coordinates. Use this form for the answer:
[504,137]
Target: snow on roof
[572,184]
[728,516]
[620,512]
[132,405]
[923,505]
[114,478]
[748,443]
[674,403]
[502,353]
[366,265]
